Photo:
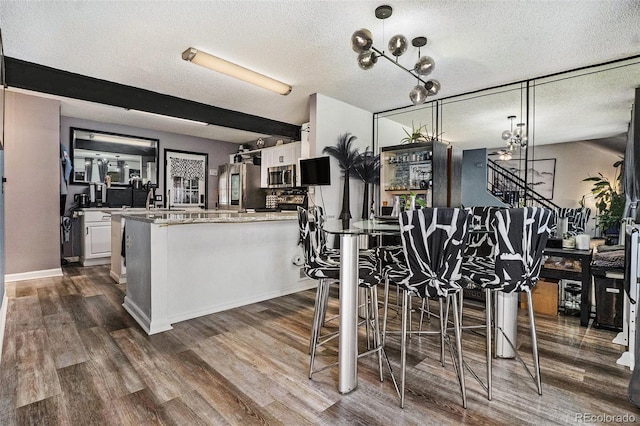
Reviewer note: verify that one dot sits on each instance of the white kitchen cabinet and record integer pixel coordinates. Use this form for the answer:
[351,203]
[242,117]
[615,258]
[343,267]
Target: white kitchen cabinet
[265,163]
[96,239]
[281,155]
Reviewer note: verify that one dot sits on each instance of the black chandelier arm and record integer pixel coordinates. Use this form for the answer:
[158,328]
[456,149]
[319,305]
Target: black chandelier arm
[382,54]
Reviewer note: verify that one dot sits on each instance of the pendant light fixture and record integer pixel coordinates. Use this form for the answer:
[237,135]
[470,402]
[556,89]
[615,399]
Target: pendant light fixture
[515,137]
[362,44]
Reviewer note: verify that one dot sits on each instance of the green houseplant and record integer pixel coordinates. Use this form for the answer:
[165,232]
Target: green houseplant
[348,158]
[609,199]
[419,134]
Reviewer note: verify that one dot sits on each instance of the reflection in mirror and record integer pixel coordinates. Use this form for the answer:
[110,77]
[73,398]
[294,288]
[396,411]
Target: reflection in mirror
[100,157]
[590,104]
[577,117]
[395,127]
[479,119]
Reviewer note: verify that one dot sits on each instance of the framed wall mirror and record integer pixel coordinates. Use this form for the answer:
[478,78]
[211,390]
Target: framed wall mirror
[100,157]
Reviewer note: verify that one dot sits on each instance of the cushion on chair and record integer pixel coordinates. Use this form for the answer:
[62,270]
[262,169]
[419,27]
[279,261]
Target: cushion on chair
[433,240]
[319,266]
[392,263]
[479,272]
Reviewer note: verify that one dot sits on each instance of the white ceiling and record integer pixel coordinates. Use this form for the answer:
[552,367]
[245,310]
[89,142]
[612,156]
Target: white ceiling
[476,44]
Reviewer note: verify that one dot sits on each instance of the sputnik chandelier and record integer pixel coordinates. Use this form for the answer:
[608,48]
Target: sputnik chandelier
[362,44]
[516,138]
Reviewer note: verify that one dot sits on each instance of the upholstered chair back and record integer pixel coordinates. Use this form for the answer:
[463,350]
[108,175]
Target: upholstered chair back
[434,240]
[521,236]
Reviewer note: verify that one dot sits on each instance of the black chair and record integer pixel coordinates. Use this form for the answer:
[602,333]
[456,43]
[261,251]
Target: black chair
[327,271]
[433,241]
[521,235]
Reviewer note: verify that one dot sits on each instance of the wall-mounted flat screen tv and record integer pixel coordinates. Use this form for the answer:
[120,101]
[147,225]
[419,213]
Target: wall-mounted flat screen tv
[315,171]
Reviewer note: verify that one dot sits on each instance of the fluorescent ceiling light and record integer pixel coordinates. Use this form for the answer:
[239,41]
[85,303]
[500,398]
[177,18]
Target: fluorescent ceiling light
[225,67]
[184,120]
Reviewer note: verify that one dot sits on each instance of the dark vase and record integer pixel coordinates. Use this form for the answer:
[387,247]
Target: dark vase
[345,214]
[365,202]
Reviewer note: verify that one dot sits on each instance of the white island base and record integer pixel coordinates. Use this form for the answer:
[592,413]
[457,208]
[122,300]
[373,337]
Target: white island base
[178,271]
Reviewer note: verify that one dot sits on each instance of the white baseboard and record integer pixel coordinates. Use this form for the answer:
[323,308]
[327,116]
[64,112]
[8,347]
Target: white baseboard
[143,320]
[32,275]
[3,320]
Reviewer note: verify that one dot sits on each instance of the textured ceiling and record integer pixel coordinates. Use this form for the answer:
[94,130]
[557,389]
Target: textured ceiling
[476,44]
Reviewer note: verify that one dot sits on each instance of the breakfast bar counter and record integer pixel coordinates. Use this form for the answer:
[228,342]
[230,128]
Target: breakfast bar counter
[182,265]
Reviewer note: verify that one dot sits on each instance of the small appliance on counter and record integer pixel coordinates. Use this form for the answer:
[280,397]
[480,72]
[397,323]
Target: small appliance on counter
[272,201]
[281,176]
[291,200]
[97,194]
[119,197]
[82,200]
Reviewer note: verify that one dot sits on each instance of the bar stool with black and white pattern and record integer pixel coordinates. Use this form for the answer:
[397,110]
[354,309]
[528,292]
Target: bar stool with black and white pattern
[433,241]
[521,235]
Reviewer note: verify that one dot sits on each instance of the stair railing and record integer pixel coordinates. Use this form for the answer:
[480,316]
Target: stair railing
[510,188]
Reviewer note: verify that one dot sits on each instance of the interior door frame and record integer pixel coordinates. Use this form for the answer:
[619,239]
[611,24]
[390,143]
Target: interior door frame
[168,183]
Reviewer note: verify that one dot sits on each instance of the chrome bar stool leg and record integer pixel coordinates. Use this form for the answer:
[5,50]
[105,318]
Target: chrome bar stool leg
[377,341]
[410,303]
[403,345]
[458,332]
[325,304]
[317,323]
[534,343]
[316,314]
[488,319]
[443,330]
[461,304]
[386,310]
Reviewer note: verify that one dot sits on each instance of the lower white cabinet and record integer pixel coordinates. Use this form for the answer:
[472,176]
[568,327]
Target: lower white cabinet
[96,239]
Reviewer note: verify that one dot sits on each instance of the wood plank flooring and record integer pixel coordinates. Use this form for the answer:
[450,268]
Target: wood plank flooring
[73,356]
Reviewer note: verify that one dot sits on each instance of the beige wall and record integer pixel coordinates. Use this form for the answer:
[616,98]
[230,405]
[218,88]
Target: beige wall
[329,119]
[32,191]
[574,162]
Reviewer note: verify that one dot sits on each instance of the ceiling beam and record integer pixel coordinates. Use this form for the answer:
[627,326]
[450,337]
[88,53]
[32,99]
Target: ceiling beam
[40,78]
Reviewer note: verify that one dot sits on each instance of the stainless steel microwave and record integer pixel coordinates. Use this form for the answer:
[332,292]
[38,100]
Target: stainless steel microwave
[281,176]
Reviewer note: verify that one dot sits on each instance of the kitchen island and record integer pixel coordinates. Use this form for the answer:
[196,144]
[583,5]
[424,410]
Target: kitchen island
[185,265]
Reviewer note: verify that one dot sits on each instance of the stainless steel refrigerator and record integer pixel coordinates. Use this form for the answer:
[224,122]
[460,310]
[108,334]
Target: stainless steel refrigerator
[239,187]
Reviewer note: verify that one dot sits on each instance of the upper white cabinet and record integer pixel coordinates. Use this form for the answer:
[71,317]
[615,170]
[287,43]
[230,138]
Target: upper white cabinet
[282,155]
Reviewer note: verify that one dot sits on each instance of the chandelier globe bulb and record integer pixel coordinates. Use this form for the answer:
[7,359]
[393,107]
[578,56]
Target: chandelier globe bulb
[361,40]
[418,95]
[398,45]
[367,60]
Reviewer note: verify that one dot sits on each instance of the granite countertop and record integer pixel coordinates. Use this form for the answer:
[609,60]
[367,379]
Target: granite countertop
[208,216]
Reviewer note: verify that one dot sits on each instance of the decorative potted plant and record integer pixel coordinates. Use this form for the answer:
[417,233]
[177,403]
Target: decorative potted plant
[348,158]
[368,170]
[420,134]
[609,200]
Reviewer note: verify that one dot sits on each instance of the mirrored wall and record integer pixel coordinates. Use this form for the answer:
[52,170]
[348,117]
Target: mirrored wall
[587,106]
[119,159]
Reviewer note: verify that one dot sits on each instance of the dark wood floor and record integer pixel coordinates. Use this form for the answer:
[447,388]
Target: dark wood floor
[73,356]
